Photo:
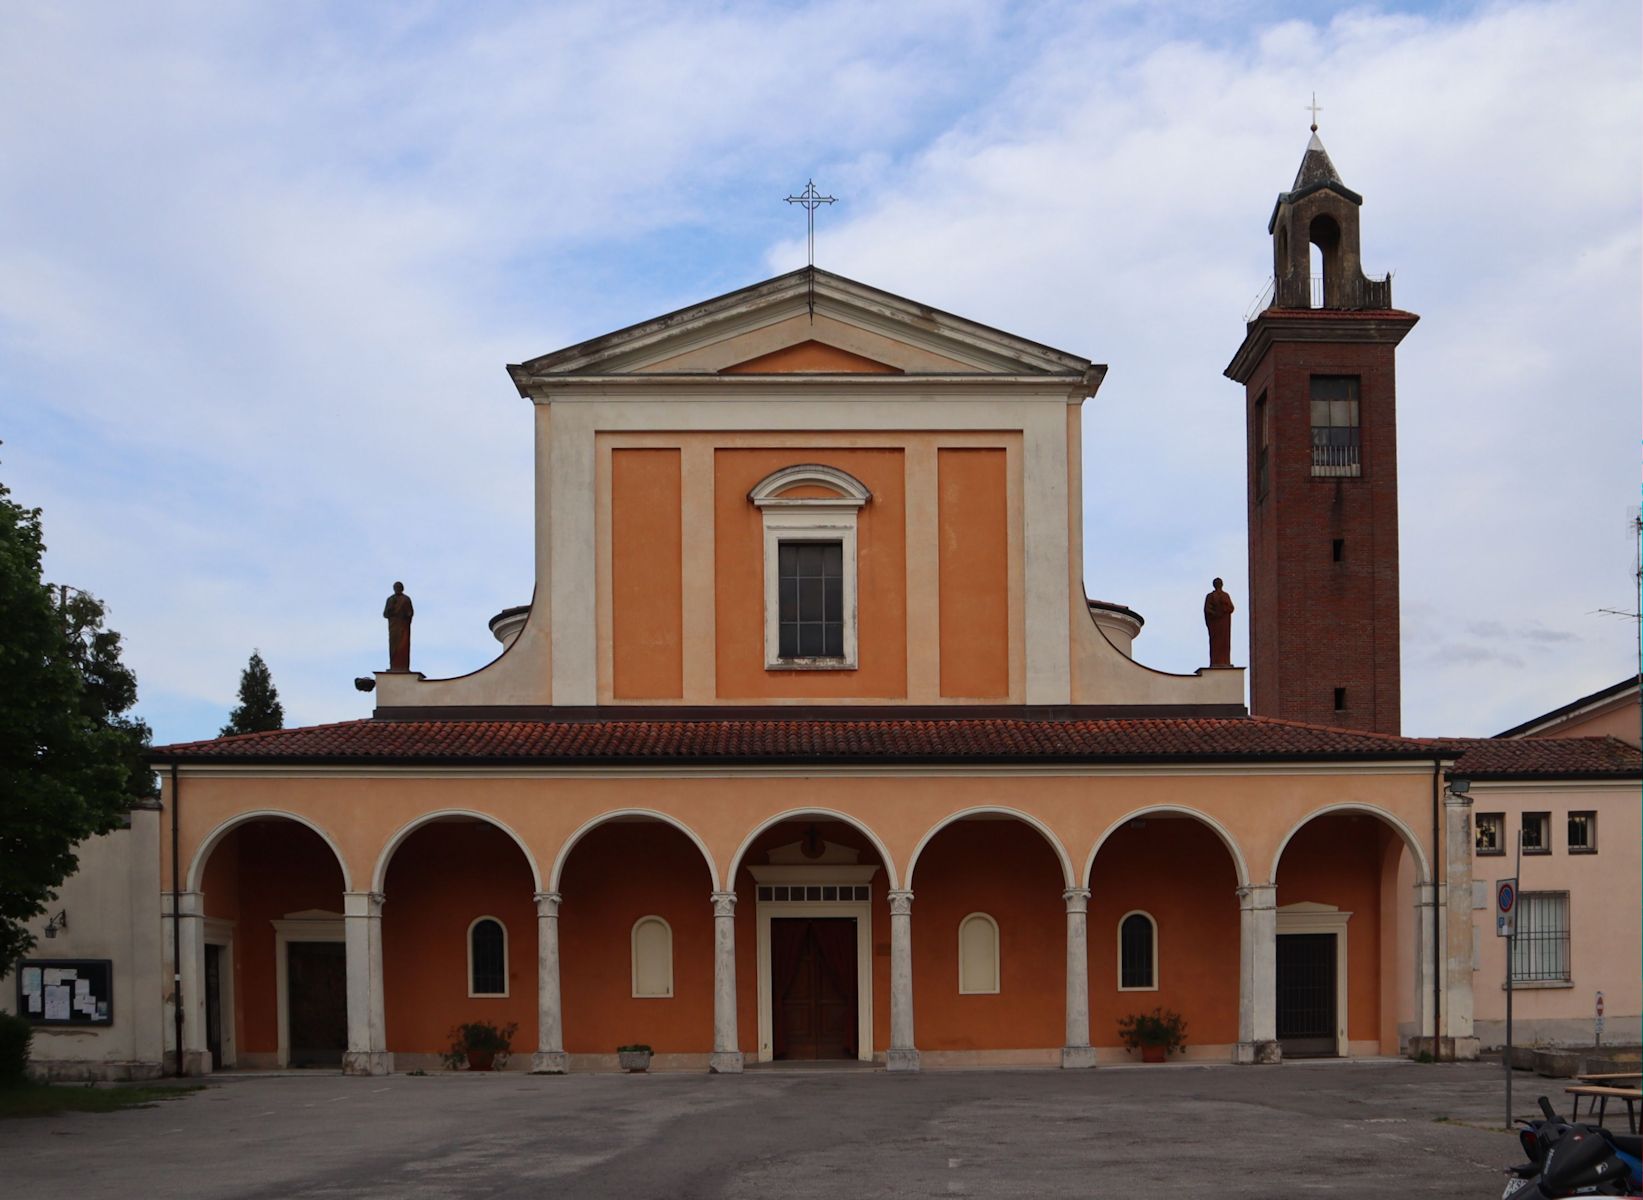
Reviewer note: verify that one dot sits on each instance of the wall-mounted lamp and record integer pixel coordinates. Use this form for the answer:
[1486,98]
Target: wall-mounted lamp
[60,921]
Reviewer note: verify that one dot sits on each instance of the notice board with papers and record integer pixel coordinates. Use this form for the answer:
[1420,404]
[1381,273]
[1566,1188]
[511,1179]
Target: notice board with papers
[66,991]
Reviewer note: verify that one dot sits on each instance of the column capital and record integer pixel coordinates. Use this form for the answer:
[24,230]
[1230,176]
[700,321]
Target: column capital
[1077,898]
[1457,799]
[362,904]
[901,901]
[724,904]
[1258,895]
[547,903]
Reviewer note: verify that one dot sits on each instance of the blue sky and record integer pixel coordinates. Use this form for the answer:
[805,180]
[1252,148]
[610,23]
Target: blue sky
[261,267]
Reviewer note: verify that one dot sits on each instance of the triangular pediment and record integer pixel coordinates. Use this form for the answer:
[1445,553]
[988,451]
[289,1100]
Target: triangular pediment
[799,324]
[810,357]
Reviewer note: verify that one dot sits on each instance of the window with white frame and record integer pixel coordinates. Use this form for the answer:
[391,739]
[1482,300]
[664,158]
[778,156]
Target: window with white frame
[652,958]
[810,514]
[1137,953]
[1490,833]
[1540,953]
[1583,833]
[977,955]
[487,957]
[1537,833]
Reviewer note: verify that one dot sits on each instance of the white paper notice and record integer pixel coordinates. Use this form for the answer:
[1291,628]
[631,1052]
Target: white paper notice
[53,976]
[57,1003]
[82,988]
[34,1002]
[68,973]
[31,981]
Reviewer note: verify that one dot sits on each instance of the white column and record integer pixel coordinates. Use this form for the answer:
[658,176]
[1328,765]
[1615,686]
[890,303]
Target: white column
[727,1052]
[1078,1052]
[550,1057]
[903,1055]
[1457,992]
[1258,975]
[367,1052]
[1426,899]
[187,982]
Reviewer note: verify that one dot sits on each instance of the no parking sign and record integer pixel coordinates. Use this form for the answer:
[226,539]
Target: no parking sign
[1506,908]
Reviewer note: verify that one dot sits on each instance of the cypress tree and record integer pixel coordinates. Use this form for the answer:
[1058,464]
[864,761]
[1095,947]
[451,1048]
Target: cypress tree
[260,706]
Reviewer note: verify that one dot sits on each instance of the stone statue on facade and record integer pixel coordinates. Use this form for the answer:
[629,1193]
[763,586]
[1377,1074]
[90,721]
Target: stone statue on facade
[1218,609]
[399,612]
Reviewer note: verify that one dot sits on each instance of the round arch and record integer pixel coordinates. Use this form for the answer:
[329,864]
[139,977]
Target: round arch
[1239,864]
[605,818]
[828,814]
[202,855]
[986,810]
[1423,872]
[379,877]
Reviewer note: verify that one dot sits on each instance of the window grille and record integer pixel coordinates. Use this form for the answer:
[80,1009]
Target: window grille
[812,599]
[1537,833]
[1335,425]
[1541,949]
[1490,836]
[1583,833]
[488,958]
[785,893]
[1137,965]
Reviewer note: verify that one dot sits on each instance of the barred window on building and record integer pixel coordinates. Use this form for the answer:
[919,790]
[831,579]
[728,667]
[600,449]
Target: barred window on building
[1541,950]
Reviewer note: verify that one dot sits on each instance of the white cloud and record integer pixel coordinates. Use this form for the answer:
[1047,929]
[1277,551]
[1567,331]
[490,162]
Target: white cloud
[260,269]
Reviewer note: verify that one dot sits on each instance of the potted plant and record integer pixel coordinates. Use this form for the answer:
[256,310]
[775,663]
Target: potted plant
[481,1045]
[1155,1033]
[634,1059]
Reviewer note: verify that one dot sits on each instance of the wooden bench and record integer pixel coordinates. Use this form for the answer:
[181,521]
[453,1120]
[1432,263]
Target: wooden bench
[1601,1096]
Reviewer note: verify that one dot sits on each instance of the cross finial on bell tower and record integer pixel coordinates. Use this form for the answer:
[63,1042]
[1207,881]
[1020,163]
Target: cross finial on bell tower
[1314,108]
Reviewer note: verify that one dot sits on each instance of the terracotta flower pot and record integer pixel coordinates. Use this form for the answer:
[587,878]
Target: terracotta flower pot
[481,1060]
[1154,1054]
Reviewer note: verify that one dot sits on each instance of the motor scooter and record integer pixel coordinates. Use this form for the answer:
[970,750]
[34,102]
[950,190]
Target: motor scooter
[1574,1160]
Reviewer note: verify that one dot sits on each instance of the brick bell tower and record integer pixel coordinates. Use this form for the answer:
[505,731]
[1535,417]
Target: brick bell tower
[1320,411]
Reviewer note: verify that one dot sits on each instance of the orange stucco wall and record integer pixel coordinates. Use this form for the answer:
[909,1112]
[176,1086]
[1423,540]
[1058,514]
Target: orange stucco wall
[1340,859]
[617,874]
[975,564]
[646,575]
[881,578]
[1178,872]
[441,878]
[257,874]
[1005,869]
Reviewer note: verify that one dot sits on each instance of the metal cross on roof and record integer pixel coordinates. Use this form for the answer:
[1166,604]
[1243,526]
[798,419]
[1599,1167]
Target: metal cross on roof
[1314,108]
[811,200]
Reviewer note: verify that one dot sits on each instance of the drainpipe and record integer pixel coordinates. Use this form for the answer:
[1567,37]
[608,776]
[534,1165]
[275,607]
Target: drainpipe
[176,921]
[1437,922]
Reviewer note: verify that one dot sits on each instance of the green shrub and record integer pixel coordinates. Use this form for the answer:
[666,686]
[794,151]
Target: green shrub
[15,1036]
[636,1048]
[482,1037]
[1161,1027]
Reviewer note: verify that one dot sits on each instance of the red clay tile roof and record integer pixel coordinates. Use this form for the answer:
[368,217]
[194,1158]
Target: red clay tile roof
[890,739]
[1546,758]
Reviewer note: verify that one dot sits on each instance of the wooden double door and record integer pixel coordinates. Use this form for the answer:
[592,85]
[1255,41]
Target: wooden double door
[813,988]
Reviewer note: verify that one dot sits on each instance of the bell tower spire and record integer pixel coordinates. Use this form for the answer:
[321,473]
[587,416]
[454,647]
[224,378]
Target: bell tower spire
[1317,365]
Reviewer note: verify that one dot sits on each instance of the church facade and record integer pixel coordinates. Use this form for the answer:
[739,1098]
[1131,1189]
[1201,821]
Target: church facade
[812,744]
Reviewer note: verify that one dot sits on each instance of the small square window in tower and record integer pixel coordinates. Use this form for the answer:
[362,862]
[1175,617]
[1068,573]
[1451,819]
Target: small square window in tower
[812,599]
[1334,425]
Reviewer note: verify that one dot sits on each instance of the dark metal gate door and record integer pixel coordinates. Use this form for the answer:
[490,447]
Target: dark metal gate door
[213,1004]
[317,1003]
[1306,994]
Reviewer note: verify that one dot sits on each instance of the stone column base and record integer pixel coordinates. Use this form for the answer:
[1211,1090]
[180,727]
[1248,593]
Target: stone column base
[1077,1058]
[367,1062]
[1445,1049]
[1249,1054]
[901,1060]
[725,1062]
[195,1062]
[550,1062]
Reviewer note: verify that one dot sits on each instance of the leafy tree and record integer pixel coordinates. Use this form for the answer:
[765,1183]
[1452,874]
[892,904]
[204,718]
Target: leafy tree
[260,706]
[70,759]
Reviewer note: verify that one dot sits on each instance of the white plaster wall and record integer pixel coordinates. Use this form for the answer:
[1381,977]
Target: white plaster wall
[112,907]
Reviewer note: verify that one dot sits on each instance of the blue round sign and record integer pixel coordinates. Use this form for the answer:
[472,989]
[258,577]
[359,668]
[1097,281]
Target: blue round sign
[1505,897]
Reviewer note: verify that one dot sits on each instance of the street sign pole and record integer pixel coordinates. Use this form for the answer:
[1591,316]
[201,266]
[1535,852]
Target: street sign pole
[1506,894]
